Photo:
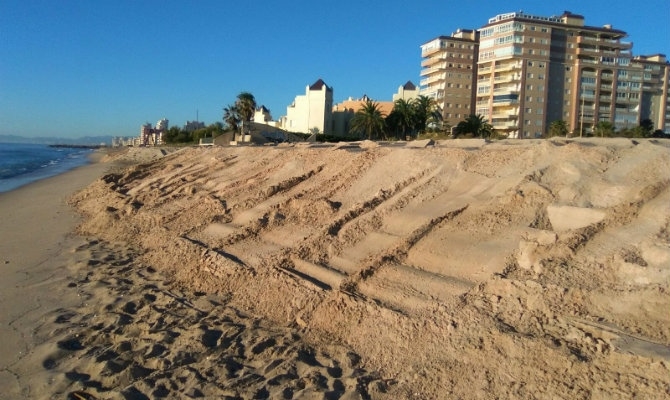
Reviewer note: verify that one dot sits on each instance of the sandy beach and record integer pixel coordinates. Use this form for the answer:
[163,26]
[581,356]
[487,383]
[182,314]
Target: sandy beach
[457,269]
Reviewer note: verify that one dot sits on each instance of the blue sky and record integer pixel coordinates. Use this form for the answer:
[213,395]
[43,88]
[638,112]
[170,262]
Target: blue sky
[75,68]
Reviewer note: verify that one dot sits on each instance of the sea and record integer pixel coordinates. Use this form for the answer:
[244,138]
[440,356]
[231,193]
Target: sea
[23,163]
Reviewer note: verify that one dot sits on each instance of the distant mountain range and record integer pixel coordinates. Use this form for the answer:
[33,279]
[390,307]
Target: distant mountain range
[86,140]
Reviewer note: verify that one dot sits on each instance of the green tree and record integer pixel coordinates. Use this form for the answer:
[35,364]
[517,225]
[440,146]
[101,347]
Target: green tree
[558,128]
[475,125]
[368,121]
[401,120]
[246,107]
[647,125]
[435,119]
[231,117]
[603,129]
[423,107]
[171,135]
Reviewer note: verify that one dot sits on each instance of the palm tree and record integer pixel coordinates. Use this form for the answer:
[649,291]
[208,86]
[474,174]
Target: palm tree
[647,125]
[246,106]
[424,107]
[476,125]
[402,119]
[231,117]
[604,128]
[368,120]
[558,128]
[435,119]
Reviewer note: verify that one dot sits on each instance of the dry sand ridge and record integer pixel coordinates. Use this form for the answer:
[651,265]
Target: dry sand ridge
[457,269]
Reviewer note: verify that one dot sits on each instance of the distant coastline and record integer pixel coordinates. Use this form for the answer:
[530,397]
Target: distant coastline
[87,140]
[78,146]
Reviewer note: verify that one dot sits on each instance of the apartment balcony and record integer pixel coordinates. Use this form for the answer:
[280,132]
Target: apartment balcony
[604,41]
[433,50]
[604,110]
[507,78]
[507,116]
[432,60]
[432,79]
[508,67]
[436,68]
[513,89]
[506,103]
[587,51]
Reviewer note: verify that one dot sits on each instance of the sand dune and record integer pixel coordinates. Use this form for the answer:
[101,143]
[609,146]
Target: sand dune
[464,269]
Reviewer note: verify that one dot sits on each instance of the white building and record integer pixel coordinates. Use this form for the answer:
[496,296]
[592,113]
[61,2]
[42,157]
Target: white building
[407,92]
[262,115]
[162,125]
[311,112]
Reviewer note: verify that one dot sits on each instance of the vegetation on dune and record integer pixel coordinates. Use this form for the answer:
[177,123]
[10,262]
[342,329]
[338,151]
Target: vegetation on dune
[606,129]
[474,126]
[176,134]
[368,121]
[407,120]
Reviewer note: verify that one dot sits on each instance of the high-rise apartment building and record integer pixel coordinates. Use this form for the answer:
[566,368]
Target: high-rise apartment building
[534,70]
[448,74]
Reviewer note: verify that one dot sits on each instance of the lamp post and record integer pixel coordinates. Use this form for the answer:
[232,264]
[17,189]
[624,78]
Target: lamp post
[581,114]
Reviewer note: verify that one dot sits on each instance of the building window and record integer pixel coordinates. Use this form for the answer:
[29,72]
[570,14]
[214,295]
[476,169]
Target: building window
[528,110]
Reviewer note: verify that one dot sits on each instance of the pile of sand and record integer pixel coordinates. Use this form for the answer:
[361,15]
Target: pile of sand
[452,269]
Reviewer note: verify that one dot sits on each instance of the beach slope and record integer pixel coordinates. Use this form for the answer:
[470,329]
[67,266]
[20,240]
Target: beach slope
[457,269]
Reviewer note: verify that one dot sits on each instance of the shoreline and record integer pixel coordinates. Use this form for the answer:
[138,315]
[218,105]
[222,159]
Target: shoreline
[37,226]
